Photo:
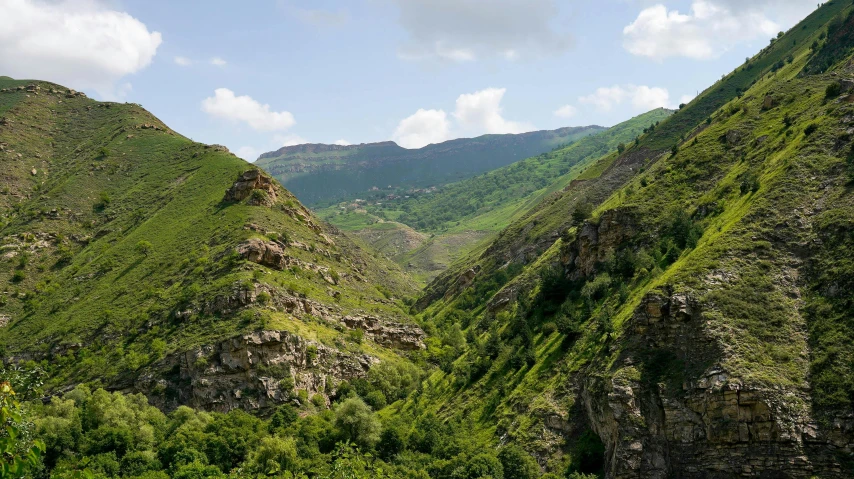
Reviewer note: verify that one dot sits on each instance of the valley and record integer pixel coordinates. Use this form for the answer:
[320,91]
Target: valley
[667,297]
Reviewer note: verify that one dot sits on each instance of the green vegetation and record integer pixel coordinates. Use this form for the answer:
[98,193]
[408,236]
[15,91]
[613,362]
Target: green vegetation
[463,214]
[322,175]
[701,269]
[113,254]
[100,434]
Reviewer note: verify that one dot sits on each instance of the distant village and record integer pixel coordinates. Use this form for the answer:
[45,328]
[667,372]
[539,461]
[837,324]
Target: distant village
[379,196]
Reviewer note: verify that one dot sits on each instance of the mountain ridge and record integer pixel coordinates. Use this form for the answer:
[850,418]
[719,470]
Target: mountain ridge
[324,174]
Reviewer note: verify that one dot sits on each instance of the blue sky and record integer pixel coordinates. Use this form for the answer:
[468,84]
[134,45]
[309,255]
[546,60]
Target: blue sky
[258,75]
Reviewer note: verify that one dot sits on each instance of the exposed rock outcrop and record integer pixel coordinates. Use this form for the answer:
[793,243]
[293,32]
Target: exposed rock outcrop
[255,371]
[395,335]
[709,424]
[247,183]
[463,281]
[382,331]
[596,240]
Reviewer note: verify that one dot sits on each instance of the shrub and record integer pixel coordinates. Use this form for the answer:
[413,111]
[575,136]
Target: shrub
[284,416]
[810,129]
[517,463]
[356,335]
[749,183]
[484,465]
[549,328]
[259,197]
[18,276]
[376,399]
[582,212]
[310,354]
[833,90]
[392,442]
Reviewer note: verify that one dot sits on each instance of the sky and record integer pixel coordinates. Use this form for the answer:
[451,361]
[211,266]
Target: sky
[261,74]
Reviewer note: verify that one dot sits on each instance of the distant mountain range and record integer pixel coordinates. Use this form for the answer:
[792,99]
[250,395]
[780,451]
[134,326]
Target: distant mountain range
[324,174]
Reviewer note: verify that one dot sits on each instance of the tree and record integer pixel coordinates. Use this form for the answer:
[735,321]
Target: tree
[19,454]
[355,422]
[582,212]
[484,465]
[274,455]
[517,463]
[392,442]
[621,148]
[144,248]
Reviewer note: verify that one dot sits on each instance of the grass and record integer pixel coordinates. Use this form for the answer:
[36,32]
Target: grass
[83,218]
[767,272]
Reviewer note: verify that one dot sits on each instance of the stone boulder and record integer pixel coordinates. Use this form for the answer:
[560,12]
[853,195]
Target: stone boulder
[265,253]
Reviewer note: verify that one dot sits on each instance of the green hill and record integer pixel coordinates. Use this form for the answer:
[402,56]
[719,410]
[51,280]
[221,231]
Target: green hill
[681,309]
[128,249]
[321,175]
[688,322]
[461,215]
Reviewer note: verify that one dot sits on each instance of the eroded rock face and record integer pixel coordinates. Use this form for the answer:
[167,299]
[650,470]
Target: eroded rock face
[463,281]
[596,240]
[395,335]
[248,182]
[382,331]
[254,371]
[711,425]
[272,255]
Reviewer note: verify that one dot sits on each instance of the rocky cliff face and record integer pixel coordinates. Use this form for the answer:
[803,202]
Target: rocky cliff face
[595,240]
[697,420]
[255,371]
[385,331]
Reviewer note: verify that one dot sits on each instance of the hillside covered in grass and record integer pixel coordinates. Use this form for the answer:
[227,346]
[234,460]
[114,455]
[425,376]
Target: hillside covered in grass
[136,259]
[680,311]
[320,175]
[680,307]
[427,231]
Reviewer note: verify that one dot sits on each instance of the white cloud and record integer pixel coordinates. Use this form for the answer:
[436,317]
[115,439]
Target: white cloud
[466,30]
[224,104]
[342,143]
[686,99]
[289,140]
[480,112]
[711,28]
[422,128]
[322,18]
[78,43]
[641,97]
[182,61]
[218,62]
[566,111]
[248,153]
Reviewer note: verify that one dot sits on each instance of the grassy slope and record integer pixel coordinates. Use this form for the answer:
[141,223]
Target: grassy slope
[538,228]
[756,240]
[72,271]
[463,215]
